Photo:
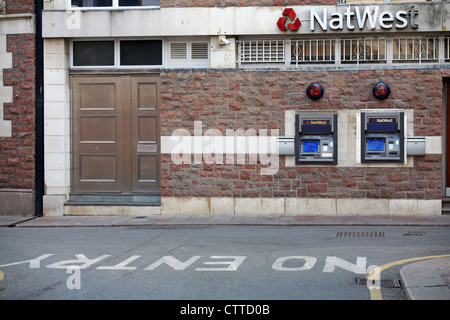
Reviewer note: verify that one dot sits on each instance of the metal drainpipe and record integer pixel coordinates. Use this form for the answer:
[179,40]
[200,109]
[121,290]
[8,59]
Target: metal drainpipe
[39,153]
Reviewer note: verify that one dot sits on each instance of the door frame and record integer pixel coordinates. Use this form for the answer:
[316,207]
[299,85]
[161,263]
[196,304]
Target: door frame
[446,137]
[113,198]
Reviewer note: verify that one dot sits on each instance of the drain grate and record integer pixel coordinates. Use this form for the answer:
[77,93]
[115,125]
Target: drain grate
[370,234]
[382,283]
[414,233]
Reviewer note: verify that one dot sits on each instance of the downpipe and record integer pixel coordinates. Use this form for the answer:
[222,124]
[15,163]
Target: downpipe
[39,152]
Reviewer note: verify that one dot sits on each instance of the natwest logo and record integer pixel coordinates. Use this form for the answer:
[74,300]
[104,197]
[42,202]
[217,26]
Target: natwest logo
[350,18]
[294,26]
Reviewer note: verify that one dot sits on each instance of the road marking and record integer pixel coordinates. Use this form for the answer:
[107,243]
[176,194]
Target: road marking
[375,274]
[2,275]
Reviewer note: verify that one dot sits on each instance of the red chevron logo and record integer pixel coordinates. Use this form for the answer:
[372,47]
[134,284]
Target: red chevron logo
[281,23]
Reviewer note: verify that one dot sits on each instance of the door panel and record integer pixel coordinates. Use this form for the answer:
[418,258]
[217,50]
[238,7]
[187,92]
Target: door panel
[97,95]
[147,168]
[97,129]
[98,168]
[115,134]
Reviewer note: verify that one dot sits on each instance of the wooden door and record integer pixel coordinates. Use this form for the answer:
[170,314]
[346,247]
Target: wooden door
[115,135]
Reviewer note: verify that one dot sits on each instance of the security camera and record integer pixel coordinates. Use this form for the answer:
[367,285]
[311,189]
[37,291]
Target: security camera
[224,41]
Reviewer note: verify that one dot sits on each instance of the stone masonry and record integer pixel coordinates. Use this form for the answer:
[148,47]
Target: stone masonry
[259,99]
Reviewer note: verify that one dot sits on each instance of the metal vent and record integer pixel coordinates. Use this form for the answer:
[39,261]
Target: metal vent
[178,50]
[199,50]
[370,234]
[262,51]
[414,233]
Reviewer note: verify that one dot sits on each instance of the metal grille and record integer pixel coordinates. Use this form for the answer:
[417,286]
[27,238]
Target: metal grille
[178,50]
[387,283]
[262,51]
[199,50]
[370,234]
[312,51]
[414,233]
[415,49]
[363,50]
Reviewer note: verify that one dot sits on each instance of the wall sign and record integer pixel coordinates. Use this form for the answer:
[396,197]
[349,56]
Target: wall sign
[315,91]
[381,90]
[370,17]
[353,18]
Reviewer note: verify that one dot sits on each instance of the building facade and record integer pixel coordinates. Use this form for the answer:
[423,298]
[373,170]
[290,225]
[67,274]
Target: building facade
[183,107]
[17,107]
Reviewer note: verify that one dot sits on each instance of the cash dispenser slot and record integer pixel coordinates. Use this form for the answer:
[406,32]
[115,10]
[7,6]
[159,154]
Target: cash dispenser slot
[316,138]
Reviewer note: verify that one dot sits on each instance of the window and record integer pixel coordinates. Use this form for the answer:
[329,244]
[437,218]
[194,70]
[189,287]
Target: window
[363,50]
[312,51]
[115,53]
[115,3]
[139,3]
[141,53]
[185,54]
[447,49]
[262,51]
[93,53]
[415,49]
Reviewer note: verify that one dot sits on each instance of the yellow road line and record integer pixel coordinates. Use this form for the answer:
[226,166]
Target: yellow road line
[2,275]
[375,275]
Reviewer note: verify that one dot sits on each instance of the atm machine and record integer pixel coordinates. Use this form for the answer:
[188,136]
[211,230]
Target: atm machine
[315,139]
[382,136]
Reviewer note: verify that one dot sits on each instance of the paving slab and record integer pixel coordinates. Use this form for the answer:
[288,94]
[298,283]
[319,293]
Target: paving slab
[426,280]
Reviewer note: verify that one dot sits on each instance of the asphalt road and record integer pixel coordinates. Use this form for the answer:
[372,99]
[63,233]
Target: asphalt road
[209,262]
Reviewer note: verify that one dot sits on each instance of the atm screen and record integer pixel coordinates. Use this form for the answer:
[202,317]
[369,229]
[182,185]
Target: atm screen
[375,145]
[310,145]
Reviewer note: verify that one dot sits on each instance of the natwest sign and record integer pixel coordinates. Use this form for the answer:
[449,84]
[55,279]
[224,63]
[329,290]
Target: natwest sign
[353,18]
[368,18]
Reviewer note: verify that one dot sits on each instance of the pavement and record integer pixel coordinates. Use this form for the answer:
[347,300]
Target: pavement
[427,279]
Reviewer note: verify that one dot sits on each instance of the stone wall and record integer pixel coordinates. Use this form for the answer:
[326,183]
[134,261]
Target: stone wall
[245,100]
[17,152]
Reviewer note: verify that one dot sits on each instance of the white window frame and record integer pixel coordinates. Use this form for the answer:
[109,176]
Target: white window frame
[116,55]
[115,6]
[188,62]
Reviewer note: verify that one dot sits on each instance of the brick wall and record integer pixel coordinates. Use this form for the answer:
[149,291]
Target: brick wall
[258,100]
[17,152]
[17,148]
[19,6]
[241,3]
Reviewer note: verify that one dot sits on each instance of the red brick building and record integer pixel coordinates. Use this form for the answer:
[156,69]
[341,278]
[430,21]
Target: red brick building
[163,107]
